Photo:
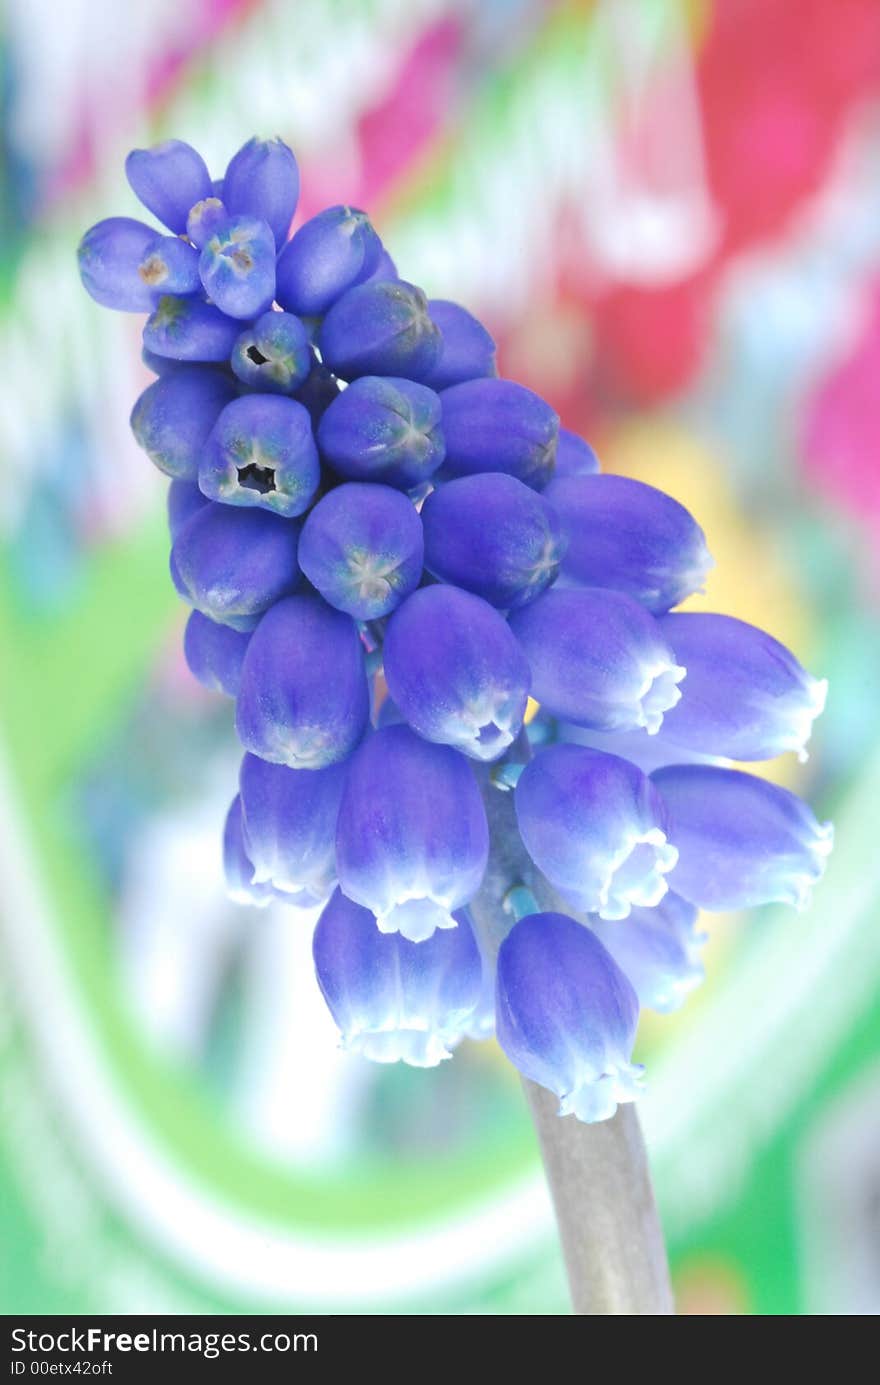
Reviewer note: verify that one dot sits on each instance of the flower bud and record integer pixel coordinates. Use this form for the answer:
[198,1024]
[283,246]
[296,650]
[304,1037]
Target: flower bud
[456,672]
[186,329]
[237,267]
[385,270]
[232,564]
[206,219]
[332,252]
[493,536]
[567,1015]
[183,501]
[496,425]
[169,179]
[574,457]
[274,354]
[304,700]
[468,351]
[262,180]
[658,950]
[380,328]
[289,818]
[741,841]
[412,840]
[394,1000]
[110,255]
[384,430]
[746,696]
[362,548]
[598,659]
[169,265]
[173,417]
[597,828]
[261,452]
[630,537]
[214,653]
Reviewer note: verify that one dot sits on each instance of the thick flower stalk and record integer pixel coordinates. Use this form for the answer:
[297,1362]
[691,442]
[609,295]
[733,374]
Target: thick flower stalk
[388,551]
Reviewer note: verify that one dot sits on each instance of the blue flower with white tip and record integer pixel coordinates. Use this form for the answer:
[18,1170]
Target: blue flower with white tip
[359,506]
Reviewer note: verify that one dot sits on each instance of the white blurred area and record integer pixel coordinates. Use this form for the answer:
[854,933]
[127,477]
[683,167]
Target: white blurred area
[292,1091]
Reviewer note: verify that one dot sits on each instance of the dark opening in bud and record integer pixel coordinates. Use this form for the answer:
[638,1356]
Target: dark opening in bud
[257,478]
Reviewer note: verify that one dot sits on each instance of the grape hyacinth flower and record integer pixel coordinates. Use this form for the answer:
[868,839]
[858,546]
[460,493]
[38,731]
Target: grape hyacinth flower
[383,430]
[630,537]
[581,1046]
[303,700]
[289,826]
[497,425]
[214,653]
[658,951]
[598,659]
[273,354]
[597,828]
[362,548]
[493,536]
[261,452]
[412,840]
[174,416]
[456,672]
[334,251]
[360,505]
[232,564]
[394,1000]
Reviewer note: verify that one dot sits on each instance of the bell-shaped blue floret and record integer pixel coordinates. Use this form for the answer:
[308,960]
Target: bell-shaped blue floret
[304,700]
[232,564]
[597,828]
[214,653]
[383,429]
[380,328]
[332,252]
[494,536]
[658,950]
[169,179]
[598,659]
[237,267]
[496,425]
[630,537]
[468,351]
[173,417]
[567,1015]
[290,826]
[261,452]
[262,180]
[237,867]
[362,548]
[456,672]
[186,329]
[273,354]
[746,696]
[394,1000]
[412,840]
[110,255]
[741,840]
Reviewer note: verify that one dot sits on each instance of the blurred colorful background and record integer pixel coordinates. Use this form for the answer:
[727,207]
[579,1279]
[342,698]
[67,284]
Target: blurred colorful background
[669,215]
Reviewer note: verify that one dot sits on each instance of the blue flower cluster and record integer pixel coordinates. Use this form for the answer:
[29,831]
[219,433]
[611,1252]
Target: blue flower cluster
[388,551]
